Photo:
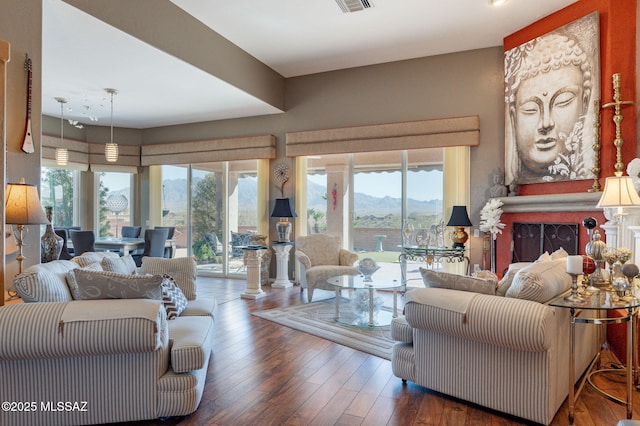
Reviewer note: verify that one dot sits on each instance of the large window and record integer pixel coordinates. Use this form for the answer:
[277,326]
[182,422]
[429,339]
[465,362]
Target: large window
[384,191]
[114,202]
[59,189]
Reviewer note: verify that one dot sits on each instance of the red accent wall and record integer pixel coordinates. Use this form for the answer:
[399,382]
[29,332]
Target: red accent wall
[617,55]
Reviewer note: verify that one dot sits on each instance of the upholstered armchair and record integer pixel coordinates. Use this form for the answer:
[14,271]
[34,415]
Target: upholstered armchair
[321,257]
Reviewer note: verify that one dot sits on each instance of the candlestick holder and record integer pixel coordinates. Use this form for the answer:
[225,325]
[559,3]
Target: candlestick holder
[574,297]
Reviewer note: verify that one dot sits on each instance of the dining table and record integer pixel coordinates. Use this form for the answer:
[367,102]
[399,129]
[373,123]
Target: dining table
[124,245]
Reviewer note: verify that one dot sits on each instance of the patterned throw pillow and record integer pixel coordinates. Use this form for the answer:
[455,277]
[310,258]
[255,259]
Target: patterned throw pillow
[90,285]
[174,300]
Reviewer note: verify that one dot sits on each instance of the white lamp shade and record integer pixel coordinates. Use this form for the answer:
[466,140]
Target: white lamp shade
[22,205]
[619,192]
[111,152]
[62,156]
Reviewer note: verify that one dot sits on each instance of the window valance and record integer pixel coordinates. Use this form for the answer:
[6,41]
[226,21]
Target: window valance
[85,155]
[214,150]
[435,133]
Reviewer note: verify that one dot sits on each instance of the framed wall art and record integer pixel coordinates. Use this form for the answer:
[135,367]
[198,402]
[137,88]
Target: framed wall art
[551,83]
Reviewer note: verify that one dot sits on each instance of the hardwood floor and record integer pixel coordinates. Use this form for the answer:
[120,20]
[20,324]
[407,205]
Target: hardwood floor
[262,373]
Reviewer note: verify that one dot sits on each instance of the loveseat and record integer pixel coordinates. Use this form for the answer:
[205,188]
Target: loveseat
[67,361]
[508,353]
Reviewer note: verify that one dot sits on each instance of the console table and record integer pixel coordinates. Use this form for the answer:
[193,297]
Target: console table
[430,255]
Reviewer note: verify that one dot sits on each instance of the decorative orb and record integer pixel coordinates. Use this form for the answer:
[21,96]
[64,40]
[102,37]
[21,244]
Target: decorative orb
[630,269]
[589,222]
[117,203]
[588,264]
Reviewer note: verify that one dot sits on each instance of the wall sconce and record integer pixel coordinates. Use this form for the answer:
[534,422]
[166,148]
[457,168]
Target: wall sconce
[284,211]
[459,218]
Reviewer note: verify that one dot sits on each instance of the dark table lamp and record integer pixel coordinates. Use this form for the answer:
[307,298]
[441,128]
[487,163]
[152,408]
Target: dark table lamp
[22,208]
[459,219]
[284,211]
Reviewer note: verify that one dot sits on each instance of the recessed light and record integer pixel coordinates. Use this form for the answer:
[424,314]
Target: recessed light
[498,2]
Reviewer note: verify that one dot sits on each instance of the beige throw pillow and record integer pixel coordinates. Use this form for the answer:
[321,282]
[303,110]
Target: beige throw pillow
[541,281]
[458,282]
[121,265]
[507,280]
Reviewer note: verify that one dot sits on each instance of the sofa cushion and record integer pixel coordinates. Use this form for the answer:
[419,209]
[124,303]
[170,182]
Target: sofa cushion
[191,342]
[172,297]
[541,281]
[90,257]
[202,306]
[121,265]
[91,285]
[457,282]
[182,269]
[507,280]
[45,282]
[401,330]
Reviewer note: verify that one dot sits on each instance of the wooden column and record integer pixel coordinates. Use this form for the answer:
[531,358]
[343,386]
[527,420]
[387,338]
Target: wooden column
[5,52]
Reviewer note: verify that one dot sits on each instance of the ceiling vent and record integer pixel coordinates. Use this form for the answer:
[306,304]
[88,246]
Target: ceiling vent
[348,6]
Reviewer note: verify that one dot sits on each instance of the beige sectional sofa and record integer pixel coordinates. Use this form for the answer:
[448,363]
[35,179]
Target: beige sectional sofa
[505,353]
[78,362]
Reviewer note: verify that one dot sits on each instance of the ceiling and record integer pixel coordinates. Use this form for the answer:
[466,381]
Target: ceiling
[83,55]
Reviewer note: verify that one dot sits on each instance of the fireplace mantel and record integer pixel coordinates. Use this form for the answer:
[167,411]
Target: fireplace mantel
[575,202]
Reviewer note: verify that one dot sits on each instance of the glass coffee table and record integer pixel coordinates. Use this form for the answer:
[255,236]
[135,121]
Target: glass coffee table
[369,313]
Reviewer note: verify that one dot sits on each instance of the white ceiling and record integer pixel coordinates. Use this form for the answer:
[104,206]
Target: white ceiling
[82,55]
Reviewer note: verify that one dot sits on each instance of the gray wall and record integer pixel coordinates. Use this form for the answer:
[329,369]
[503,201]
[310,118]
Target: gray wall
[459,84]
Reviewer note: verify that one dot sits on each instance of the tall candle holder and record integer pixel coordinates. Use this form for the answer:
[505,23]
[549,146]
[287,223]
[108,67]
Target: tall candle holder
[574,268]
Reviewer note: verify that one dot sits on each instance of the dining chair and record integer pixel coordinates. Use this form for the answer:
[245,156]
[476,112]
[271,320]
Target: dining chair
[131,231]
[64,254]
[168,251]
[83,241]
[154,242]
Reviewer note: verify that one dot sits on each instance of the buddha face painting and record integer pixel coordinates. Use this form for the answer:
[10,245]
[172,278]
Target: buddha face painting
[549,82]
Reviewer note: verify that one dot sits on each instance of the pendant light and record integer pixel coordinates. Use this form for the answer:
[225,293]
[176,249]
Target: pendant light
[111,149]
[62,154]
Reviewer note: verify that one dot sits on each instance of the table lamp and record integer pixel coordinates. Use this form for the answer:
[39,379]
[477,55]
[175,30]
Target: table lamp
[22,207]
[459,218]
[284,211]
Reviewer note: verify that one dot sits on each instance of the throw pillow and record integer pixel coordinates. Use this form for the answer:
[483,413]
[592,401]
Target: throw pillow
[121,265]
[91,285]
[182,269]
[89,257]
[507,280]
[559,254]
[174,301]
[457,282]
[44,282]
[541,281]
[544,257]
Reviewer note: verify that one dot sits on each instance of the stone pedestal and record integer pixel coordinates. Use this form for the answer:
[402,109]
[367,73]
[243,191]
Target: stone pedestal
[282,265]
[252,258]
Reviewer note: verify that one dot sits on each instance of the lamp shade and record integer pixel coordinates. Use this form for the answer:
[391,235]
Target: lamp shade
[459,217]
[283,208]
[22,205]
[619,192]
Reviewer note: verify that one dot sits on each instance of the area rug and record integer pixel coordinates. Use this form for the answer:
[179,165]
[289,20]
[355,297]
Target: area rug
[317,318]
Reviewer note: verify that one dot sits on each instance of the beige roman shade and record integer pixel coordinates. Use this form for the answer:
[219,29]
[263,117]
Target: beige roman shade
[206,151]
[436,133]
[84,156]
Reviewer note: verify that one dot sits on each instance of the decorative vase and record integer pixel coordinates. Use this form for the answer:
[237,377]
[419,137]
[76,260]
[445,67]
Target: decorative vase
[367,267]
[50,243]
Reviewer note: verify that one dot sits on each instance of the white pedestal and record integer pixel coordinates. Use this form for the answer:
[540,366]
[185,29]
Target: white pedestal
[251,259]
[282,265]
